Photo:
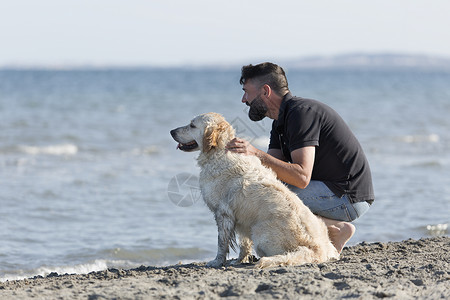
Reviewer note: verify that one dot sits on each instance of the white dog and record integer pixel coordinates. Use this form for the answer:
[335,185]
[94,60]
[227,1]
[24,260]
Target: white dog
[248,199]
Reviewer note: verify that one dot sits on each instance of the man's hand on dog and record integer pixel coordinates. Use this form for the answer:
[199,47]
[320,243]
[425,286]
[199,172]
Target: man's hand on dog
[238,145]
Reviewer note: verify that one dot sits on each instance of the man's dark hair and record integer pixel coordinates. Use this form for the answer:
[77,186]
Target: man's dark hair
[266,73]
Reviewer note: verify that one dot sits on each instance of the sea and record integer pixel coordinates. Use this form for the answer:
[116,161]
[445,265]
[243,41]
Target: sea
[91,179]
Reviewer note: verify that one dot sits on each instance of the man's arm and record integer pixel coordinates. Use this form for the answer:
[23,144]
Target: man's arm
[297,173]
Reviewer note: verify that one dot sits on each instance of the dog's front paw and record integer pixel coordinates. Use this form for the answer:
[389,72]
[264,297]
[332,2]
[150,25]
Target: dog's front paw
[215,263]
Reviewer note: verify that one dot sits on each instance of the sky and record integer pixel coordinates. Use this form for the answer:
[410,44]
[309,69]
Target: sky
[199,32]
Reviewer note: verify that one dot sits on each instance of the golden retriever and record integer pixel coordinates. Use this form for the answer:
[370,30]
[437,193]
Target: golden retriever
[247,198]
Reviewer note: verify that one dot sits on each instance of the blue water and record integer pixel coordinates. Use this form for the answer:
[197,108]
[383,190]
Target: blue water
[87,165]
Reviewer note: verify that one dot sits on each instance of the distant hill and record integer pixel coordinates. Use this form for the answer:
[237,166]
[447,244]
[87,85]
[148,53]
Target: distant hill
[369,61]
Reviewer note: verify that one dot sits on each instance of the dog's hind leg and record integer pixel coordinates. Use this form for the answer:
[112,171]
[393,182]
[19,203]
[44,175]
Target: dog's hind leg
[245,250]
[300,256]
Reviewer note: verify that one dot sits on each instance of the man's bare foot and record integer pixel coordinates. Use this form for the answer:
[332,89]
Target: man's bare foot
[339,232]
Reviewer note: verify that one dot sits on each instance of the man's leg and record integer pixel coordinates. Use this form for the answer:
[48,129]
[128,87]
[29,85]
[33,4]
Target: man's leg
[339,232]
[334,211]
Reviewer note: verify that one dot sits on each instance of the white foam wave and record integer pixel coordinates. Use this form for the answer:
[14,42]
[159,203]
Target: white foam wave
[431,138]
[437,229]
[63,149]
[97,265]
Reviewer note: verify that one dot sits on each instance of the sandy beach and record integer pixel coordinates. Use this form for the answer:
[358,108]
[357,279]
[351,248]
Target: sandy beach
[412,269]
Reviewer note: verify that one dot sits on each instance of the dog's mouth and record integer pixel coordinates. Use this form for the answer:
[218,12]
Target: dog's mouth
[191,146]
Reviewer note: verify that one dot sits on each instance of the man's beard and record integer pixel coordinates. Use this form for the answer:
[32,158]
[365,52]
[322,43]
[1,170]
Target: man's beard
[258,109]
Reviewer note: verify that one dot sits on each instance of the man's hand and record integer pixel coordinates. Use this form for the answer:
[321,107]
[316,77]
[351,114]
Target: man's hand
[238,145]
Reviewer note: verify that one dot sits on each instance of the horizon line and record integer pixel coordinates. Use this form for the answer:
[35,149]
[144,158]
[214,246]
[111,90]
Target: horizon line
[308,61]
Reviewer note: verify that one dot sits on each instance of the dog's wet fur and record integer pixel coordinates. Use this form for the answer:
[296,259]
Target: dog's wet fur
[247,199]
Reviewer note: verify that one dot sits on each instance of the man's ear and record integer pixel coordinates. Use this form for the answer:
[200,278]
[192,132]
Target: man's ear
[267,90]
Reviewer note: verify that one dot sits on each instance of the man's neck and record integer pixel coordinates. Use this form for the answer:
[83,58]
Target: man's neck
[274,106]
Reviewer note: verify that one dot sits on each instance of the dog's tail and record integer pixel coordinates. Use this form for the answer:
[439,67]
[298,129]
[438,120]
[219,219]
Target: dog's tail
[300,256]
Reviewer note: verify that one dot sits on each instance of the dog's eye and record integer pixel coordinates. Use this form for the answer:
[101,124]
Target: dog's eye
[192,125]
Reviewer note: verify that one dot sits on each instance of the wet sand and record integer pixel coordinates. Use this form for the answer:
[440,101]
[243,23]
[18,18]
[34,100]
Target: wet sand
[412,269]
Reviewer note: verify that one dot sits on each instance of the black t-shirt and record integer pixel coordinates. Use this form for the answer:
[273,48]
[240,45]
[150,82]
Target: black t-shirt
[339,160]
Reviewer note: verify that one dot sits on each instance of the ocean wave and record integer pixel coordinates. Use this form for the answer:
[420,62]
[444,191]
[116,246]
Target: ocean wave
[62,149]
[437,229]
[117,258]
[97,265]
[431,164]
[410,139]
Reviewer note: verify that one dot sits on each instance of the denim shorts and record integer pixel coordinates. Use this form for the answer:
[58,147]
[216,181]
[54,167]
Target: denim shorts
[323,202]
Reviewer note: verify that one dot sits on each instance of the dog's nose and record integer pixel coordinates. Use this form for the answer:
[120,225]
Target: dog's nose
[172,132]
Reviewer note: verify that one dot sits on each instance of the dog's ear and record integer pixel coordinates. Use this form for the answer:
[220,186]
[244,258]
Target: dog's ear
[217,136]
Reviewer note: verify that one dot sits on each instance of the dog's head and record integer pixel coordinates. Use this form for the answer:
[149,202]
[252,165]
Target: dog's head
[205,132]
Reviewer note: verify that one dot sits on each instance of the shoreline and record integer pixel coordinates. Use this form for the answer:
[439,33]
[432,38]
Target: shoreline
[413,269]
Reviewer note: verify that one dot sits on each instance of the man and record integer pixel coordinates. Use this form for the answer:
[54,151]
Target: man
[311,149]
